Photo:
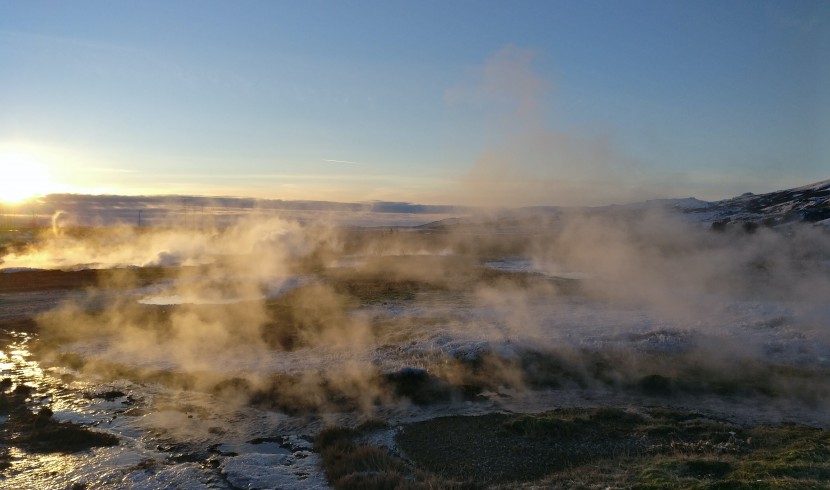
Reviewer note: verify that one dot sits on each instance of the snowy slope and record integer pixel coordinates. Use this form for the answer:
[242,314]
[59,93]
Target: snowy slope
[809,203]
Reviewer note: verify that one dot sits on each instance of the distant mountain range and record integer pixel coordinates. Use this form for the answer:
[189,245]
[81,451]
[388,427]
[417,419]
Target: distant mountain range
[179,202]
[178,210]
[809,203]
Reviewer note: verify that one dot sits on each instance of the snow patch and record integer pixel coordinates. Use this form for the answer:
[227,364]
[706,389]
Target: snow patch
[12,270]
[267,471]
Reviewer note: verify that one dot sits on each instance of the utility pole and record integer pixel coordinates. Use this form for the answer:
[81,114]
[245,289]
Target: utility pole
[139,218]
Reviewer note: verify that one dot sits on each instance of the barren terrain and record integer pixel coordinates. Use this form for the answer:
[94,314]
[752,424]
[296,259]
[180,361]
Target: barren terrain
[551,353]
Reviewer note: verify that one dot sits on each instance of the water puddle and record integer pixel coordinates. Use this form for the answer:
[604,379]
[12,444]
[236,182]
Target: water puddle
[170,297]
[526,266]
[165,438]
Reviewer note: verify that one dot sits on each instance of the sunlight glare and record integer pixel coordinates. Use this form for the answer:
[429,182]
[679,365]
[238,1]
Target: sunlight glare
[22,177]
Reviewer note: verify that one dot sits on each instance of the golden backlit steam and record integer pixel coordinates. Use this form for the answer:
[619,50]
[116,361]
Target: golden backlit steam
[22,177]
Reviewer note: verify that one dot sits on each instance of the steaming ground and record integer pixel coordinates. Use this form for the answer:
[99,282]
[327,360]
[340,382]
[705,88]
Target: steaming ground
[216,354]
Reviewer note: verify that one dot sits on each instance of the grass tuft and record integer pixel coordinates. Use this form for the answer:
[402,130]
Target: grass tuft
[614,448]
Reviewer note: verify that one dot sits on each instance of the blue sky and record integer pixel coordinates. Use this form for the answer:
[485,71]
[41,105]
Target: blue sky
[462,102]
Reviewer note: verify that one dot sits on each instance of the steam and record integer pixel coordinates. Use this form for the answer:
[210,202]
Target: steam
[247,301]
[530,162]
[166,245]
[58,223]
[310,316]
[663,297]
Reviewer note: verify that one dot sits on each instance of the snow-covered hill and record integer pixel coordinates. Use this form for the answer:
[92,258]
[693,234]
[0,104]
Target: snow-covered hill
[805,204]
[809,203]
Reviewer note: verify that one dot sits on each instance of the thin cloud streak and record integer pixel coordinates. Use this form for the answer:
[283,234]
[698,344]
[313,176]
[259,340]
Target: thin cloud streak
[114,170]
[345,161]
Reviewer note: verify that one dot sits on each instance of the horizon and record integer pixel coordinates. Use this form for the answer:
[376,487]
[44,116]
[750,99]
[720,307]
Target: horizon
[206,197]
[633,199]
[57,211]
[471,104]
[384,244]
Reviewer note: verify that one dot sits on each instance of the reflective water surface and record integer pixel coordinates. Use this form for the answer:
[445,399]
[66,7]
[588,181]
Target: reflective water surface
[166,439]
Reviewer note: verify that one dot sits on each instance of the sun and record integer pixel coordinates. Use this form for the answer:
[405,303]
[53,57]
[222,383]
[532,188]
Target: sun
[22,177]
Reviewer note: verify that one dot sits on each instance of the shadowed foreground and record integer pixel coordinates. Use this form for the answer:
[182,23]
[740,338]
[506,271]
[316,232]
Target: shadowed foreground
[581,448]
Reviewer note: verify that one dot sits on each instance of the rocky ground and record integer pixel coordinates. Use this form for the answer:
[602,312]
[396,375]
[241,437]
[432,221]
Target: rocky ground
[441,392]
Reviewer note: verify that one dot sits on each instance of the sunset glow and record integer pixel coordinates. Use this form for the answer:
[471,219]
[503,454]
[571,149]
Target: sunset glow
[414,244]
[495,105]
[22,177]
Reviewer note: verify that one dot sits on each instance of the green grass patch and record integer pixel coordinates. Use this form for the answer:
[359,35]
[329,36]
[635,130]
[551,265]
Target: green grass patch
[608,447]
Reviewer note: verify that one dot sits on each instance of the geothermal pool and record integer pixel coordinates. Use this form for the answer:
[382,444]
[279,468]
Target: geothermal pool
[171,437]
[220,375]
